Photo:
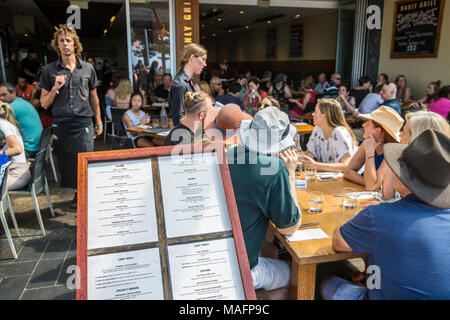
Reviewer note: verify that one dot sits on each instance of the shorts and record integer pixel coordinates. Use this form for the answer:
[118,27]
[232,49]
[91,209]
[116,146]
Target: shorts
[270,274]
[339,289]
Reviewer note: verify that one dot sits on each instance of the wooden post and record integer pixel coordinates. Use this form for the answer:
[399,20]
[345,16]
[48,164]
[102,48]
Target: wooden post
[187,18]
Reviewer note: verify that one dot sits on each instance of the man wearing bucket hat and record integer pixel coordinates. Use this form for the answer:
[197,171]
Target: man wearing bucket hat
[406,240]
[382,126]
[262,170]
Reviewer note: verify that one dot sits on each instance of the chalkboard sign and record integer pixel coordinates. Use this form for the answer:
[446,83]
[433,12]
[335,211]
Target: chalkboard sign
[296,40]
[416,28]
[271,43]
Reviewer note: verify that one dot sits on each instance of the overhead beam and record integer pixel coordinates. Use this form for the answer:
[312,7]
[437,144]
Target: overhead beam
[318,4]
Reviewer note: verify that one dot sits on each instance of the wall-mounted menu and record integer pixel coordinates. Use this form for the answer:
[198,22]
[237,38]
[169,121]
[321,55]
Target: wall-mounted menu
[417,28]
[121,204]
[271,43]
[296,40]
[206,270]
[194,180]
[132,275]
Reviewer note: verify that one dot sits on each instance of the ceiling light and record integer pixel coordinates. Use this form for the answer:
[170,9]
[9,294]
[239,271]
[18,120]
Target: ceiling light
[213,34]
[297,16]
[106,30]
[219,19]
[112,19]
[229,30]
[269,22]
[241,12]
[203,25]
[246,27]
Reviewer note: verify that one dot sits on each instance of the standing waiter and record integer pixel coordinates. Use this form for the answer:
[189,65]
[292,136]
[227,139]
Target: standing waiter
[193,60]
[69,85]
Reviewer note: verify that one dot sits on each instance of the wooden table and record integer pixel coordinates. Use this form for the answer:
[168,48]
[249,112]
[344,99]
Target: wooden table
[157,139]
[307,254]
[303,128]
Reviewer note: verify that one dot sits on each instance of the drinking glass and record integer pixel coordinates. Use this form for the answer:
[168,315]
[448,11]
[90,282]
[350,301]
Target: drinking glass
[347,201]
[310,173]
[315,202]
[299,165]
[155,122]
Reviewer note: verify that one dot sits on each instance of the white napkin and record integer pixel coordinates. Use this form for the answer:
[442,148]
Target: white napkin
[164,133]
[323,176]
[366,195]
[307,234]
[144,126]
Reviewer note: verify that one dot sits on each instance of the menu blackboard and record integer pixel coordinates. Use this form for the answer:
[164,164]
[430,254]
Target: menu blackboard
[296,40]
[271,43]
[416,30]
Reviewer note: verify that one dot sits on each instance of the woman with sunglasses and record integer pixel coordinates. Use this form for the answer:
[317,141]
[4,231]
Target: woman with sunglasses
[193,60]
[268,101]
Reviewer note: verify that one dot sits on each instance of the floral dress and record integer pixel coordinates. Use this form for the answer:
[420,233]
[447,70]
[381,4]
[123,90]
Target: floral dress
[331,150]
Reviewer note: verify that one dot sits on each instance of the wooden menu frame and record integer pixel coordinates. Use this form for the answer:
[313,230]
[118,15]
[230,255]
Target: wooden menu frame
[153,153]
[434,54]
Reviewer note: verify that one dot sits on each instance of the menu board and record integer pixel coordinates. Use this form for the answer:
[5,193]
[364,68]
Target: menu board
[271,43]
[156,225]
[416,28]
[296,40]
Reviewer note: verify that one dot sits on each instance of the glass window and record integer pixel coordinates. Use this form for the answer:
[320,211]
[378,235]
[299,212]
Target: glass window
[150,44]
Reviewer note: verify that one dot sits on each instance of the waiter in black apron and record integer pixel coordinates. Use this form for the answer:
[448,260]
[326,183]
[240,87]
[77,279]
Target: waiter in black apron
[69,85]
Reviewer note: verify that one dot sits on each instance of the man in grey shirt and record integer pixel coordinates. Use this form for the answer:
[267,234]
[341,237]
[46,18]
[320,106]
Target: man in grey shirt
[69,87]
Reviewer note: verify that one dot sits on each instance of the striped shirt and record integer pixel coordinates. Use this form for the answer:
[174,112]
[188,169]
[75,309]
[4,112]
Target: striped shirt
[332,91]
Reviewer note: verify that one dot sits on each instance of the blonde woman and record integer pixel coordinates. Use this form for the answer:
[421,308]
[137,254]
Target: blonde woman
[19,171]
[416,123]
[123,94]
[382,126]
[332,143]
[193,60]
[403,90]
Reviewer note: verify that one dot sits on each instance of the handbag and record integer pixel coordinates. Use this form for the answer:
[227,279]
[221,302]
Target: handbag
[5,161]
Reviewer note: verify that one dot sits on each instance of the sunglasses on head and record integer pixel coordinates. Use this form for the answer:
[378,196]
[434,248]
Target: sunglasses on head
[264,106]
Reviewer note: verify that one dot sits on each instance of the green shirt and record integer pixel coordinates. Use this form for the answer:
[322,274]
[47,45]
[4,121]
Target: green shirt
[29,123]
[262,191]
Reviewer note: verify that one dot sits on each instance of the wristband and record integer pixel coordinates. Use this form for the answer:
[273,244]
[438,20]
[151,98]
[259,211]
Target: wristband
[370,157]
[99,127]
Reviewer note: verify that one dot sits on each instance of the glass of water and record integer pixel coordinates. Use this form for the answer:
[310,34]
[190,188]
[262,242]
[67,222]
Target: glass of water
[349,202]
[155,122]
[315,202]
[299,165]
[310,173]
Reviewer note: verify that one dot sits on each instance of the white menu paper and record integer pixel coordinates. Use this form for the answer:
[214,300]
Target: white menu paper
[206,270]
[121,204]
[132,275]
[193,195]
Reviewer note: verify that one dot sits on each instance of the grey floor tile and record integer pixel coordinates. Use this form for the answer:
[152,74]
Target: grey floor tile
[32,250]
[6,255]
[11,288]
[57,249]
[73,249]
[64,276]
[17,268]
[46,273]
[52,293]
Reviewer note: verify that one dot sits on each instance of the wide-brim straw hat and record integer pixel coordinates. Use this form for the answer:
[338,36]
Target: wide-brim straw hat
[222,124]
[423,166]
[268,133]
[388,118]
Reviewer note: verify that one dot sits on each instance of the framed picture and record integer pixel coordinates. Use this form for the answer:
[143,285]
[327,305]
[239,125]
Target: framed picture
[296,40]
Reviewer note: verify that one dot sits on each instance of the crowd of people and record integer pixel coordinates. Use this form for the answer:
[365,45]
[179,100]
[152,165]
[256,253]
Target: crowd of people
[378,135]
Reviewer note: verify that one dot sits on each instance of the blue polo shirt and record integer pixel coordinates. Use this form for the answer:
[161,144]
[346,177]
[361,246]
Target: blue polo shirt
[409,241]
[29,122]
[394,104]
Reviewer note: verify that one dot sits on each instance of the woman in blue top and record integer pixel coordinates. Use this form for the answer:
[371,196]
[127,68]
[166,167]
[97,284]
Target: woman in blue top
[382,126]
[135,117]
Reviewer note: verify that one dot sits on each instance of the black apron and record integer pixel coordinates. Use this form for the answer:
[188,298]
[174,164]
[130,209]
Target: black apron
[72,137]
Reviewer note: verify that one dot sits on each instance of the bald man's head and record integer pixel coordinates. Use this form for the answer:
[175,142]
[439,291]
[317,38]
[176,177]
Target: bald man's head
[389,91]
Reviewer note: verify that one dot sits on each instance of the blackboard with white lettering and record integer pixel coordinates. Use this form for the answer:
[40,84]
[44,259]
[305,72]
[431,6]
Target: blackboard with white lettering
[271,43]
[416,29]
[296,40]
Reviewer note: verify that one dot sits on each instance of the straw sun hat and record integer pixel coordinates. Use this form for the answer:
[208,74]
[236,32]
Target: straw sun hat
[388,118]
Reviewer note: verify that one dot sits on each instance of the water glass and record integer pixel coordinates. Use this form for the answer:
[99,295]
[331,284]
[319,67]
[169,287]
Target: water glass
[315,202]
[349,204]
[310,174]
[299,165]
[155,122]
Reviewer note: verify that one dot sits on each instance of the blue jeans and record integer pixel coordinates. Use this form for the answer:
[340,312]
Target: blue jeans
[339,289]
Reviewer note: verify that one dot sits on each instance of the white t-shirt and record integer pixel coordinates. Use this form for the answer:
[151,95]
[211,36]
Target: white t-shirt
[333,149]
[10,130]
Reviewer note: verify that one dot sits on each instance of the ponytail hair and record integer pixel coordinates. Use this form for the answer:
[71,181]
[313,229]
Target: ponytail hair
[191,49]
[195,102]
